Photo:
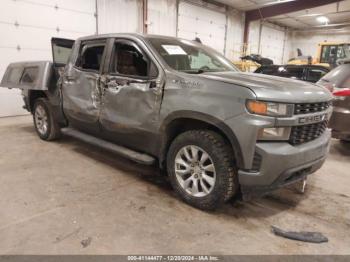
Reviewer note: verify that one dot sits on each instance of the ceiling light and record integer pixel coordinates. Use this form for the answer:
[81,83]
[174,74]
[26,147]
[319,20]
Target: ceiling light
[277,2]
[322,19]
[309,15]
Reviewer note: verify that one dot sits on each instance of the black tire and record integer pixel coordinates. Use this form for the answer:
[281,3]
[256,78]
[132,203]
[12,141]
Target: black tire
[221,154]
[53,131]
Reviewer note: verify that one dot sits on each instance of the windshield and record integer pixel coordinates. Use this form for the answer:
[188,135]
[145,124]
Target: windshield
[189,57]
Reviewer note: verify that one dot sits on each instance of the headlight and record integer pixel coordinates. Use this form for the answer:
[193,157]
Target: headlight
[274,133]
[269,108]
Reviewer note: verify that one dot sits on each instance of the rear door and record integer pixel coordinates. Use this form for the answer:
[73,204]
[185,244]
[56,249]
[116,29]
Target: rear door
[81,93]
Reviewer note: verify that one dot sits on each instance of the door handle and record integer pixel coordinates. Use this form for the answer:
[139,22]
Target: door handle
[112,86]
[69,78]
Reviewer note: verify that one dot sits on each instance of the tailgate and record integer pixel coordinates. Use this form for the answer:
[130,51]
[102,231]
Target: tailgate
[28,75]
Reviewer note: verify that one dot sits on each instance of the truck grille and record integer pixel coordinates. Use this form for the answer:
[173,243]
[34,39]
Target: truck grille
[306,133]
[311,107]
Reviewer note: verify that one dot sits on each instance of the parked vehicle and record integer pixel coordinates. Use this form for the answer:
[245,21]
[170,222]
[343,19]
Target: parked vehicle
[338,81]
[216,130]
[249,63]
[309,73]
[328,54]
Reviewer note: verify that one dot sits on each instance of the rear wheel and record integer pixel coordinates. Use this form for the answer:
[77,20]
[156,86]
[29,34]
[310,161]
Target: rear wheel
[201,169]
[45,125]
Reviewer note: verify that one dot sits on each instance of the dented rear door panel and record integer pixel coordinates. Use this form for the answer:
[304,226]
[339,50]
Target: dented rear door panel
[81,97]
[81,92]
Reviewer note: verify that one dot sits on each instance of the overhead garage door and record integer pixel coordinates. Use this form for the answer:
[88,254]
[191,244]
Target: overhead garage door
[272,43]
[26,29]
[209,25]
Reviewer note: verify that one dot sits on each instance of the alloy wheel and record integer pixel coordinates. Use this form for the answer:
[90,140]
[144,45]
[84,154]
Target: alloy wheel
[195,171]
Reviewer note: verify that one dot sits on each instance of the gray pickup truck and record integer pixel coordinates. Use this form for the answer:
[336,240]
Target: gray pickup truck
[217,131]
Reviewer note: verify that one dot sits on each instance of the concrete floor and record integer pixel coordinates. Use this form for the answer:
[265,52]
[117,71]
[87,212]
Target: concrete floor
[67,197]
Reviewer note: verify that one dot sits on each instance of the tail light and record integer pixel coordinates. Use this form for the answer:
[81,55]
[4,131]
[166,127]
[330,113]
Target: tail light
[341,94]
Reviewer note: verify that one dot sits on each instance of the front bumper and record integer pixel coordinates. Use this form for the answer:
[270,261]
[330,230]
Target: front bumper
[283,164]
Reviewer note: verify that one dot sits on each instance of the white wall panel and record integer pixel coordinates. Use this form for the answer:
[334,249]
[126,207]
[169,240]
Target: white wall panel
[272,43]
[234,38]
[253,38]
[119,16]
[196,21]
[288,49]
[267,40]
[26,28]
[162,17]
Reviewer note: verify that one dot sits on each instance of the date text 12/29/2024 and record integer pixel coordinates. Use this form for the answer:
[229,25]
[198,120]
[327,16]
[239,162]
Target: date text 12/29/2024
[173,258]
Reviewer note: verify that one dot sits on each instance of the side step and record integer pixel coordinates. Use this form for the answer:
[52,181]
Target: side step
[120,150]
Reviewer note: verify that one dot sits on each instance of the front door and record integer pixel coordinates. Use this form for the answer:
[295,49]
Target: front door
[81,93]
[131,97]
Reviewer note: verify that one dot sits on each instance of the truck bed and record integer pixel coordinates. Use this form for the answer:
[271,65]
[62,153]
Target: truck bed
[33,75]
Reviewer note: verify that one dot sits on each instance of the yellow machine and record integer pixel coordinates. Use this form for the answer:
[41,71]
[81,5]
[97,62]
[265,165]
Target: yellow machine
[329,54]
[246,65]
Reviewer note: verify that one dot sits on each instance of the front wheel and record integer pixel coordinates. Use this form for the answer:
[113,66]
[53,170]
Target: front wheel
[45,125]
[201,169]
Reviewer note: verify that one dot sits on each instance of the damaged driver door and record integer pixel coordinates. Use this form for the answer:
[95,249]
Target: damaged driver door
[131,96]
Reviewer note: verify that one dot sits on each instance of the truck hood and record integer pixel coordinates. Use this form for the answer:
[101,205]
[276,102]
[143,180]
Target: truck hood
[273,88]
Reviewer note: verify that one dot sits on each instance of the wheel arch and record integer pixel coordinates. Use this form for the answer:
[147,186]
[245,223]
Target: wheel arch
[34,95]
[181,121]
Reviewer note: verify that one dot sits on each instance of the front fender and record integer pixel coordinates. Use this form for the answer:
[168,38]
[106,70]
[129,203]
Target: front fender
[205,118]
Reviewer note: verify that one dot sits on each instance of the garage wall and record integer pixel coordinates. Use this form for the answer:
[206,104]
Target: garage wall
[272,42]
[186,19]
[234,37]
[206,23]
[27,26]
[253,46]
[308,42]
[26,29]
[162,17]
[268,40]
[119,16]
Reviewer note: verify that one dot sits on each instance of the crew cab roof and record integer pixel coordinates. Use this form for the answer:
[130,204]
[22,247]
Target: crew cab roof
[135,35]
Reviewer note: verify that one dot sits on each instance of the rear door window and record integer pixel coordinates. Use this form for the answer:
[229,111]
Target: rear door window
[315,74]
[268,70]
[90,56]
[293,72]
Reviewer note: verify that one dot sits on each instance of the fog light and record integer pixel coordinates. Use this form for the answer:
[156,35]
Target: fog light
[274,133]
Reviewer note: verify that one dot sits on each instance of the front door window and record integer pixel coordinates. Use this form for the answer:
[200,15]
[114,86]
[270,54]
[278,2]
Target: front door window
[128,60]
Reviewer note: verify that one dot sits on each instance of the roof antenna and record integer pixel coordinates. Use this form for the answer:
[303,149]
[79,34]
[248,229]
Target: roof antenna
[197,39]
